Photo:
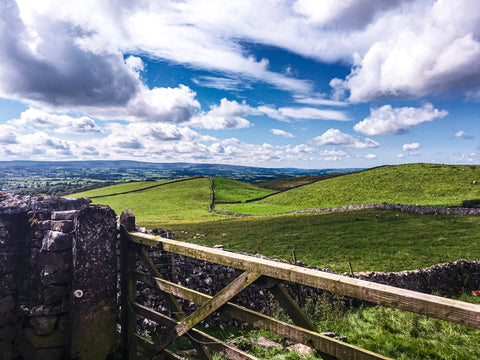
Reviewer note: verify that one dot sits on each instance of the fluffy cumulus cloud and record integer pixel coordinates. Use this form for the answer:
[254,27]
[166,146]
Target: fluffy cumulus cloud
[8,135]
[411,146]
[44,63]
[281,133]
[227,115]
[387,120]
[60,123]
[336,137]
[432,47]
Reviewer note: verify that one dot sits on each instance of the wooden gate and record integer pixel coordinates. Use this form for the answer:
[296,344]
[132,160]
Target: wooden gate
[134,246]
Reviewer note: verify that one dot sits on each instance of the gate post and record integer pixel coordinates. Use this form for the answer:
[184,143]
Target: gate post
[93,314]
[128,319]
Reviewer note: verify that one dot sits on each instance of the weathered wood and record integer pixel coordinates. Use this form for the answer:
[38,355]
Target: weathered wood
[441,308]
[321,343]
[196,336]
[296,314]
[291,307]
[172,303]
[128,293]
[127,219]
[213,304]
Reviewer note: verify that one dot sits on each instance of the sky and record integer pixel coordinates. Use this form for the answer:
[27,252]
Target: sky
[294,83]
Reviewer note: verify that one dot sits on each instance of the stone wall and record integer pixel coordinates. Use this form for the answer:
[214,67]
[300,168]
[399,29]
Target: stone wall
[412,209]
[52,252]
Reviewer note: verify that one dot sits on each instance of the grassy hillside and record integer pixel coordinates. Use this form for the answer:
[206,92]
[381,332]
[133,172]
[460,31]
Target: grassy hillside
[130,186]
[177,202]
[232,190]
[290,182]
[422,184]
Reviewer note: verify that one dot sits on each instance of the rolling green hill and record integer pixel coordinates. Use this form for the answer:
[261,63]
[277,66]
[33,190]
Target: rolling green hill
[231,190]
[413,184]
[185,201]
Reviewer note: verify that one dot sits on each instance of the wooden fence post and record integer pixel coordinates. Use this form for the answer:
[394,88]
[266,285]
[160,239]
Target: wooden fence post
[128,319]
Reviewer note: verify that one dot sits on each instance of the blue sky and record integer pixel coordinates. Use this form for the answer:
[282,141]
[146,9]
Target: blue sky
[298,83]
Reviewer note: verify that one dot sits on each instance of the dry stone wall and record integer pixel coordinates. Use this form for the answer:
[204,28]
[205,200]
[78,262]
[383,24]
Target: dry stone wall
[46,276]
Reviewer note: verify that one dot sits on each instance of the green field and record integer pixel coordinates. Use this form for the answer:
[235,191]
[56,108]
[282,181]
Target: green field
[413,184]
[396,241]
[370,240]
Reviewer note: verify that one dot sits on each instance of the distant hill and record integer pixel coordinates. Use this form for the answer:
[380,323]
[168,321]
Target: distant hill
[33,177]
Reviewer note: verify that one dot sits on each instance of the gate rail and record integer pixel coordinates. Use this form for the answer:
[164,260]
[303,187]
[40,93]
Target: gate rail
[134,244]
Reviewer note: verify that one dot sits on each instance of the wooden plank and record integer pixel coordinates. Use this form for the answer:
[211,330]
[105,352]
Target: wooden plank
[196,336]
[291,307]
[147,346]
[296,314]
[172,303]
[128,292]
[213,304]
[324,344]
[441,308]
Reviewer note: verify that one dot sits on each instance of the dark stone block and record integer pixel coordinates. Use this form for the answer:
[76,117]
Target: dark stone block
[63,215]
[65,226]
[53,294]
[56,241]
[43,325]
[7,304]
[8,333]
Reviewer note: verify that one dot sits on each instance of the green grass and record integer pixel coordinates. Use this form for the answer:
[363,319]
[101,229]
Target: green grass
[232,190]
[120,188]
[396,241]
[287,183]
[390,332]
[415,184]
[177,202]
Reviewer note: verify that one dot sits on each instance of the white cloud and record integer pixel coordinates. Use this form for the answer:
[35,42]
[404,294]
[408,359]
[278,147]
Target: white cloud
[135,63]
[334,155]
[430,48]
[60,123]
[463,135]
[393,121]
[313,113]
[220,83]
[403,48]
[319,100]
[281,133]
[370,156]
[411,147]
[8,134]
[227,115]
[336,137]
[302,113]
[299,149]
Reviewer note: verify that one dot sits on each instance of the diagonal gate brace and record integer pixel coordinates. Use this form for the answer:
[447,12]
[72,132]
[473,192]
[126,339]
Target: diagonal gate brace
[213,304]
[172,303]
